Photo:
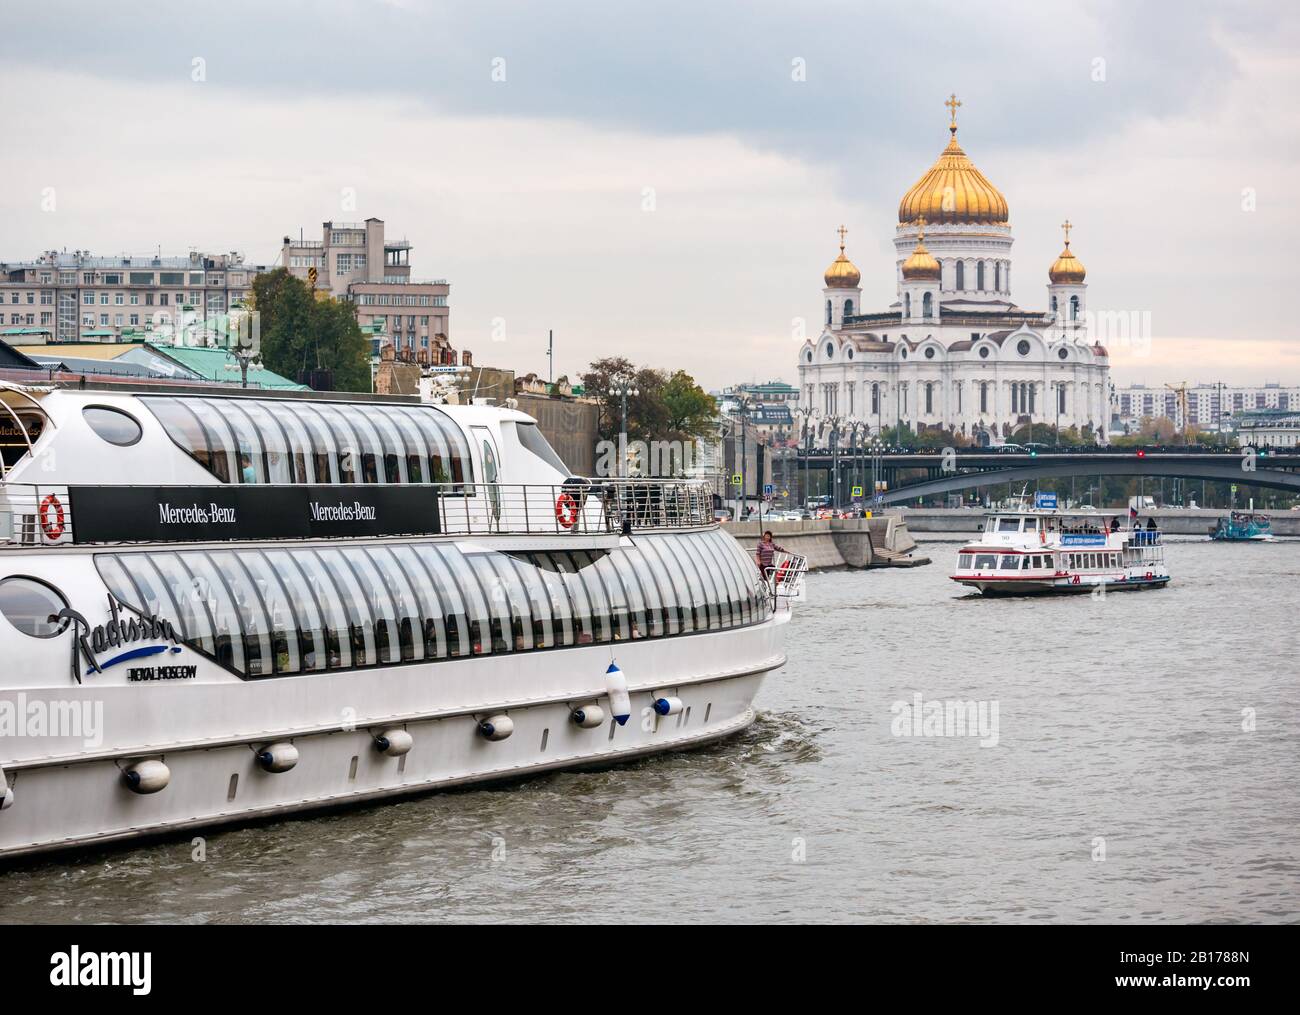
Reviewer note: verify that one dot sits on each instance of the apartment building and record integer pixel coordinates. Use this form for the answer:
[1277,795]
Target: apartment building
[1208,404]
[74,297]
[355,261]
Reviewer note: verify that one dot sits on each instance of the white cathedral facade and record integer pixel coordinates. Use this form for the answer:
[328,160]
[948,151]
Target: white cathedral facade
[954,353]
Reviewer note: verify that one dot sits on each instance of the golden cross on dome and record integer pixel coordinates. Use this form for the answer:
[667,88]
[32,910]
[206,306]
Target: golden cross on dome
[952,104]
[842,231]
[1066,226]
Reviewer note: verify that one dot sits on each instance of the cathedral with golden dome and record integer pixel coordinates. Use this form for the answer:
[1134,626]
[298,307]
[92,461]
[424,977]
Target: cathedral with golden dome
[953,352]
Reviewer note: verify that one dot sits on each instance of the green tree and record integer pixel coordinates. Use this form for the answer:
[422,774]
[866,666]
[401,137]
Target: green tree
[691,409]
[301,333]
[665,407]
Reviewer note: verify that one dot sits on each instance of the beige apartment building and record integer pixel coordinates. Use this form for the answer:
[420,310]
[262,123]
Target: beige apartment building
[355,261]
[74,297]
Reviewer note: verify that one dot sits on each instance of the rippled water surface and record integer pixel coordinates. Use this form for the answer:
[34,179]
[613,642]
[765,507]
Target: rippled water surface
[1119,722]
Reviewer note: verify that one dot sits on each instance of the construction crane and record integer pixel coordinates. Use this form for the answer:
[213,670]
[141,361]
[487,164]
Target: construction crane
[1181,391]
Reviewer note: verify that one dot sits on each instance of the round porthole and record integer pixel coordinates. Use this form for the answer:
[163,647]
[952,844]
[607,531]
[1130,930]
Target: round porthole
[984,352]
[113,425]
[1022,347]
[808,356]
[849,354]
[929,353]
[903,353]
[1062,354]
[32,607]
[830,350]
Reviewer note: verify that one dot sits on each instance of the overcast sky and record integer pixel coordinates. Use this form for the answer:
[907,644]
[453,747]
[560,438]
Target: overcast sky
[651,180]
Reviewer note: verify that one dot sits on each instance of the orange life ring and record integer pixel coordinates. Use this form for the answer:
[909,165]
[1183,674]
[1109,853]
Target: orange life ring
[53,527]
[781,573]
[566,510]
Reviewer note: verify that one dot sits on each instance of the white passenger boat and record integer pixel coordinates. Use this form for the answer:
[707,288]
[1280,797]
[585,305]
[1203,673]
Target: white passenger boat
[1042,550]
[223,607]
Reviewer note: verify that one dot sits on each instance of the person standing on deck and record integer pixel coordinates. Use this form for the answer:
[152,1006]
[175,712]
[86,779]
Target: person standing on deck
[765,550]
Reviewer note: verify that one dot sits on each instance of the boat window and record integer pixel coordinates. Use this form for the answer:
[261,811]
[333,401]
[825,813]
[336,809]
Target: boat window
[266,612]
[113,425]
[301,601]
[33,607]
[250,440]
[986,561]
[1010,562]
[1031,524]
[1008,524]
[557,596]
[532,440]
[963,560]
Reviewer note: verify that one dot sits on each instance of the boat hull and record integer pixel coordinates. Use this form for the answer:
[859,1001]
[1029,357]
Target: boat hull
[68,796]
[1061,587]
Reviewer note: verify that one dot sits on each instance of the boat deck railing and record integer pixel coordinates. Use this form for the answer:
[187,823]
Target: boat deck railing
[785,576]
[48,515]
[1146,537]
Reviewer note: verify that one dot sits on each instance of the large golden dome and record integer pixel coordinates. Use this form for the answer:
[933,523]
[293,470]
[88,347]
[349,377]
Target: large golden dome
[921,265]
[1067,268]
[842,274]
[953,190]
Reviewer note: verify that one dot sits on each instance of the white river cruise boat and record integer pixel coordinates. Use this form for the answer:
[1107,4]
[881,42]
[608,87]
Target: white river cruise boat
[1041,550]
[226,606]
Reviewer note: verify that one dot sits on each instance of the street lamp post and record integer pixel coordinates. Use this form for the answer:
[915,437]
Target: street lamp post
[623,388]
[742,408]
[1058,387]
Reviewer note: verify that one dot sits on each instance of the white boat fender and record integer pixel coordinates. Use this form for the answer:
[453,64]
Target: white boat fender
[588,717]
[6,792]
[278,757]
[620,705]
[668,706]
[394,743]
[147,776]
[498,727]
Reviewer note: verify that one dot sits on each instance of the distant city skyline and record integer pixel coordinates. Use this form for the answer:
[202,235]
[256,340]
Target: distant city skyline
[674,203]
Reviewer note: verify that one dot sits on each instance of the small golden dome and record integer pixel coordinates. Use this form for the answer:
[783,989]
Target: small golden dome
[842,274]
[1067,268]
[921,265]
[953,190]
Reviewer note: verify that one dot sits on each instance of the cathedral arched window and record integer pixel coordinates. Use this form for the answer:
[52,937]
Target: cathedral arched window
[927,305]
[984,396]
[929,399]
[1074,308]
[1053,304]
[997,276]
[828,311]
[875,398]
[961,275]
[848,308]
[907,304]
[979,276]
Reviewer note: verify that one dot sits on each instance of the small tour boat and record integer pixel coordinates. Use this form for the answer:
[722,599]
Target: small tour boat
[1242,527]
[1042,549]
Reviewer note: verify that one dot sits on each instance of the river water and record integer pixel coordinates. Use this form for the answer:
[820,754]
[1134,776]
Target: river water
[1123,785]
